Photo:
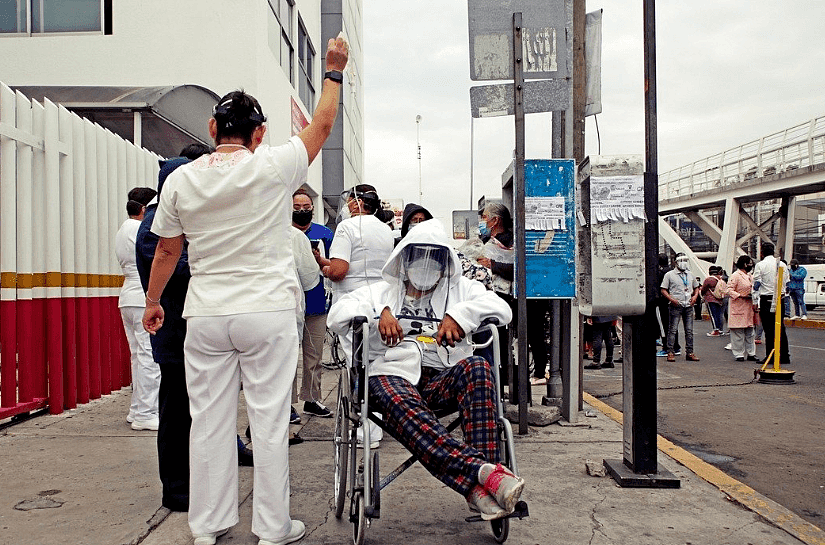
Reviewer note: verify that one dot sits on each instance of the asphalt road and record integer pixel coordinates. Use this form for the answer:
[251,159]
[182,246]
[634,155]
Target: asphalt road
[770,437]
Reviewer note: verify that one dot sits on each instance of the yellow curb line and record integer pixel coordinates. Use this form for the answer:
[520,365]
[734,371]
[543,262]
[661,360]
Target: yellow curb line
[741,493]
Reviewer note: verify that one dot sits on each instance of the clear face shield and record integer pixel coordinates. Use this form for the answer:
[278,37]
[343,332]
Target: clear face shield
[351,203]
[423,266]
[682,262]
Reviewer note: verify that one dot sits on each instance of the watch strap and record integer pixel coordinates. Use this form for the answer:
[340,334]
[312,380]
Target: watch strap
[335,75]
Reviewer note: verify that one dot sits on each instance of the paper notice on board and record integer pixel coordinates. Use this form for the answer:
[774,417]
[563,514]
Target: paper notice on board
[544,214]
[617,198]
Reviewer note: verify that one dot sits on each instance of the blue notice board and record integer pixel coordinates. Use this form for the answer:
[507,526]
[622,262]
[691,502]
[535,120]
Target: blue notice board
[550,227]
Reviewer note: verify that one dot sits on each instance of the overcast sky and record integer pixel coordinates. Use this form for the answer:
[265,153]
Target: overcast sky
[728,73]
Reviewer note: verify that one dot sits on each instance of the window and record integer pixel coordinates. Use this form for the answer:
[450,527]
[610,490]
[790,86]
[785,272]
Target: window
[306,64]
[283,14]
[54,16]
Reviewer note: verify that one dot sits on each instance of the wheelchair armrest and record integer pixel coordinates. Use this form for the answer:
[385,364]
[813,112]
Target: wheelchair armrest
[486,321]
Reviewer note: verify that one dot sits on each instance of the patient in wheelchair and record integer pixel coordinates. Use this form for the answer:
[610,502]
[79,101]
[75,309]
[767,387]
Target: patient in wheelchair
[421,361]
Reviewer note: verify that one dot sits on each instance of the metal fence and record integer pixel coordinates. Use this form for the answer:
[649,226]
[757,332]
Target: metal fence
[797,147]
[63,186]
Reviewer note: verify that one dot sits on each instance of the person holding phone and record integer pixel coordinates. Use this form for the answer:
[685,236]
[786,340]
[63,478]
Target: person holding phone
[315,323]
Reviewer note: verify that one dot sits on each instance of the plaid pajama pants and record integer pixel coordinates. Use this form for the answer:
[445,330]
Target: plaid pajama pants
[409,417]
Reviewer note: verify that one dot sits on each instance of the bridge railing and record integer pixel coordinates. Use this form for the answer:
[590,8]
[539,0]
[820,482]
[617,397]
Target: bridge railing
[63,186]
[799,146]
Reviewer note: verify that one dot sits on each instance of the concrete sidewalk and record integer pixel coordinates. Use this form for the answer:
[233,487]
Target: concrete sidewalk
[84,477]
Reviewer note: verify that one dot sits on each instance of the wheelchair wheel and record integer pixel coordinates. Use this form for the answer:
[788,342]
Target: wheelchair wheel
[501,529]
[338,361]
[341,444]
[359,519]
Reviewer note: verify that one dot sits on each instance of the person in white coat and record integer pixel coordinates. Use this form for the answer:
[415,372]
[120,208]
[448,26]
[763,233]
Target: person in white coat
[412,376]
[143,411]
[233,209]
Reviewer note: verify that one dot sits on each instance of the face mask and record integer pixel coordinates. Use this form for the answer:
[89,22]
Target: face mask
[681,265]
[301,217]
[483,229]
[424,274]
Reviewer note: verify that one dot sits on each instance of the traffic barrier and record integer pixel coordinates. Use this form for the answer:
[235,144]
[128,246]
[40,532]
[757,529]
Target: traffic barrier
[63,186]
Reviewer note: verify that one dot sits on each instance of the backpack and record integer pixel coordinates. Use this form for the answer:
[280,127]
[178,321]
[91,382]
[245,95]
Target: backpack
[718,292]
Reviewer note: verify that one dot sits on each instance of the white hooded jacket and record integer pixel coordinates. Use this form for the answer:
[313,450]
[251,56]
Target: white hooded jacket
[467,301]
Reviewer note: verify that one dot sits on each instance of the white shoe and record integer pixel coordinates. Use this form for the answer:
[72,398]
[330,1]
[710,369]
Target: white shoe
[803,317]
[376,434]
[209,539]
[296,532]
[130,417]
[151,425]
[794,317]
[728,346]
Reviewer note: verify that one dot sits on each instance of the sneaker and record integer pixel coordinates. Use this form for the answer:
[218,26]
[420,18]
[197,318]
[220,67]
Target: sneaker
[209,539]
[752,358]
[661,353]
[715,333]
[692,357]
[130,417]
[376,434]
[151,424]
[740,358]
[594,365]
[294,417]
[296,532]
[728,346]
[608,365]
[794,317]
[537,381]
[803,317]
[671,356]
[658,342]
[480,501]
[757,341]
[678,352]
[504,486]
[726,332]
[316,409]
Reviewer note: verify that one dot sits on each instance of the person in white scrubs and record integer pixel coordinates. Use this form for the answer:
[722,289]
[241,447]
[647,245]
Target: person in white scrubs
[360,248]
[143,411]
[233,208]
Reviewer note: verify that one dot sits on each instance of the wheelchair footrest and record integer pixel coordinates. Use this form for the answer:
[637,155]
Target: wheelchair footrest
[521,511]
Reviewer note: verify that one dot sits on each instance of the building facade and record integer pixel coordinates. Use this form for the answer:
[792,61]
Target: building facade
[273,49]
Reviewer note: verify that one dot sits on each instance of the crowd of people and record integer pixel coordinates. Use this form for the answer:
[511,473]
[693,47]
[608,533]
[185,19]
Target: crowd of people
[223,292]
[224,289]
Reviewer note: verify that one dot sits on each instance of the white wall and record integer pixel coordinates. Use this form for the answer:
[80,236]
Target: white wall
[217,44]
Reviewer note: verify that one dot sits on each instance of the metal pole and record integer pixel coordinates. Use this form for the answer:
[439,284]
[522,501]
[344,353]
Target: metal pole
[472,127]
[521,257]
[418,142]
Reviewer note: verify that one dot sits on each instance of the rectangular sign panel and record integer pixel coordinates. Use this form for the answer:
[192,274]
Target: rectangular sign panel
[549,95]
[544,38]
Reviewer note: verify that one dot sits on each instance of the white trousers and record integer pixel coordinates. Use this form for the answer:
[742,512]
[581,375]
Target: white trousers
[741,341]
[145,372]
[260,348]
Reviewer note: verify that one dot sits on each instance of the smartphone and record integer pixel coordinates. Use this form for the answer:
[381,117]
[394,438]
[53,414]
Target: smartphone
[314,243]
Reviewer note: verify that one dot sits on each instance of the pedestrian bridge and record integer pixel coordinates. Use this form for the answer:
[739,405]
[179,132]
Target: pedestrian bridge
[784,165]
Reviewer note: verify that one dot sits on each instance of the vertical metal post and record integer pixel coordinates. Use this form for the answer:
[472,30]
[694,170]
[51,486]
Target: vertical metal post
[521,254]
[640,452]
[472,141]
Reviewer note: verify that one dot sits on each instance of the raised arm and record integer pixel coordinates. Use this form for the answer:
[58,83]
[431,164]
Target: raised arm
[318,130]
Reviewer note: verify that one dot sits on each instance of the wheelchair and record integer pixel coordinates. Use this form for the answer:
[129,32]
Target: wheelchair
[365,483]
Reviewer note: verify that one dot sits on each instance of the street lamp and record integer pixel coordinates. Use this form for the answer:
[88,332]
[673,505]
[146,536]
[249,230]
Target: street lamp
[418,142]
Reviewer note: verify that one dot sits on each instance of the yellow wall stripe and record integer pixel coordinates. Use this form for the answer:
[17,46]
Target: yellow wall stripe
[28,281]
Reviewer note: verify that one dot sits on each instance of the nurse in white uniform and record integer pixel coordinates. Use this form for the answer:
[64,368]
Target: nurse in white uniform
[233,208]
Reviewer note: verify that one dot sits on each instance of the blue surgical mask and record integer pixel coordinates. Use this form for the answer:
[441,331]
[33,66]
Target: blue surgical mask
[483,229]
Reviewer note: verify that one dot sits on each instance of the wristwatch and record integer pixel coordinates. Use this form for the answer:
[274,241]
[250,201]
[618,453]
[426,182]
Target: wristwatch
[335,76]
